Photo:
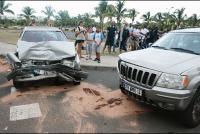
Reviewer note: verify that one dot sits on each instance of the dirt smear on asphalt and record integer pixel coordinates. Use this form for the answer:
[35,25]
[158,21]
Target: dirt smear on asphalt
[6,84]
[4,66]
[96,98]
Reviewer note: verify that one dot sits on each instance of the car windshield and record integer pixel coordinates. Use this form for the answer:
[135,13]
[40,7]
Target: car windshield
[182,42]
[40,36]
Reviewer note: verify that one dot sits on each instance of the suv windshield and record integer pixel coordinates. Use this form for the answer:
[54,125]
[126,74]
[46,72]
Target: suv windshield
[182,42]
[40,36]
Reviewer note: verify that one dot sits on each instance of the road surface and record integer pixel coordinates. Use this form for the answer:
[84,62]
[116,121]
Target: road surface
[97,105]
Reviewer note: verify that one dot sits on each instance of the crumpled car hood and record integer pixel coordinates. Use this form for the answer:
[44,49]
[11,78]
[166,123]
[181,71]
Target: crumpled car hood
[50,50]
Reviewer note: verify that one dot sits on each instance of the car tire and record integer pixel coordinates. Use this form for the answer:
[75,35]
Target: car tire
[77,81]
[18,84]
[122,90]
[58,81]
[191,115]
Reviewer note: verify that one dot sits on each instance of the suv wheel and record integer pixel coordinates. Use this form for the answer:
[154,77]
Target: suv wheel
[122,90]
[192,113]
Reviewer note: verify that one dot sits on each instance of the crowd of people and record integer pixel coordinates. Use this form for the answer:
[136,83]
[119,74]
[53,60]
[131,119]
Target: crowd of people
[128,37]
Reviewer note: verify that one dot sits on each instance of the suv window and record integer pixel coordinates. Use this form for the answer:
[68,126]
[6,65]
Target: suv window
[186,41]
[40,36]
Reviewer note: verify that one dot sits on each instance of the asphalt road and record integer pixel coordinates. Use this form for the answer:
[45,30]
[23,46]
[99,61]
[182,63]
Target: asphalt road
[65,108]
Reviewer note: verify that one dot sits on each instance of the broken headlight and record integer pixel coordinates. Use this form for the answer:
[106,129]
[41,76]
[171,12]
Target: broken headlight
[68,63]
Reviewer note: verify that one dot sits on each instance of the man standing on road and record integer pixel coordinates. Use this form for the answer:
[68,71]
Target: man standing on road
[80,37]
[111,32]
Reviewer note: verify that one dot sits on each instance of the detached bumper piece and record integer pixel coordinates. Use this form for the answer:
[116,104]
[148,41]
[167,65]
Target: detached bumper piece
[59,68]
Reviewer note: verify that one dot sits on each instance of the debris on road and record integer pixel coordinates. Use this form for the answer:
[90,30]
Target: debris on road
[91,91]
[112,100]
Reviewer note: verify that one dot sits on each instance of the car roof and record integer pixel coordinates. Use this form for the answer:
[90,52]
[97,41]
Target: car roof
[41,28]
[187,30]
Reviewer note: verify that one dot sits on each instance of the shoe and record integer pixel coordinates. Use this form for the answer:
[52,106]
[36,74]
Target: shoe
[90,58]
[82,57]
[95,59]
[99,61]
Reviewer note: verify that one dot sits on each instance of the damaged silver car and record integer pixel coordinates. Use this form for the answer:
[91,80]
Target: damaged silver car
[44,52]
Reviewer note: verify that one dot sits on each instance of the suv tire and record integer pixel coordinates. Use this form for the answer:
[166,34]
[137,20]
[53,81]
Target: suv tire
[192,113]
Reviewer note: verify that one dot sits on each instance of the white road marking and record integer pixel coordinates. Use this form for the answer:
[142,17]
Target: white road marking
[6,128]
[25,112]
[13,89]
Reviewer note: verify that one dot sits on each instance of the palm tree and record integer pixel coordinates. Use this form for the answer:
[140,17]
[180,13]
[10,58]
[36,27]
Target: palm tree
[4,8]
[132,13]
[62,17]
[193,20]
[147,17]
[87,18]
[158,18]
[120,11]
[111,12]
[179,16]
[49,12]
[28,14]
[100,12]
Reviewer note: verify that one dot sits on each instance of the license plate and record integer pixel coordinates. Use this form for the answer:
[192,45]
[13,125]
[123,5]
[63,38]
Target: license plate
[39,71]
[132,89]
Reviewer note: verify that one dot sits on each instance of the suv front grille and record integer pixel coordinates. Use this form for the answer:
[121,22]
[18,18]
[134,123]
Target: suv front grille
[141,76]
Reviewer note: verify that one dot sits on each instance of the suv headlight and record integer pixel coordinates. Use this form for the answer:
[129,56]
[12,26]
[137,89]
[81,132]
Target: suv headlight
[172,81]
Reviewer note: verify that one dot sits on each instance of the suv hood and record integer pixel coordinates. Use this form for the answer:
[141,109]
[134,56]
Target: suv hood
[162,60]
[51,50]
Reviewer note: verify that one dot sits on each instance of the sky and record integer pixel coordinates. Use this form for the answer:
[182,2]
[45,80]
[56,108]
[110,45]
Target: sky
[79,7]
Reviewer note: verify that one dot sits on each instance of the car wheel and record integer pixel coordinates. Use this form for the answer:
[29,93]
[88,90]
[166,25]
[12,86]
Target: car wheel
[17,84]
[192,113]
[58,81]
[77,81]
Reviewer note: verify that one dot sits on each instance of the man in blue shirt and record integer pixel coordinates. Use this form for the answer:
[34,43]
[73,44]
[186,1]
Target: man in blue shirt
[98,39]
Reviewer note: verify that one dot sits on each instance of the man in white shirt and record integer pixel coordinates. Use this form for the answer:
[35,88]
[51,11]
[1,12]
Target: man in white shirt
[144,31]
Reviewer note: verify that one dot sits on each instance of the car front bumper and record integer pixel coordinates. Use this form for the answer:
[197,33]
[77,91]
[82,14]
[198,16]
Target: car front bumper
[169,99]
[55,69]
